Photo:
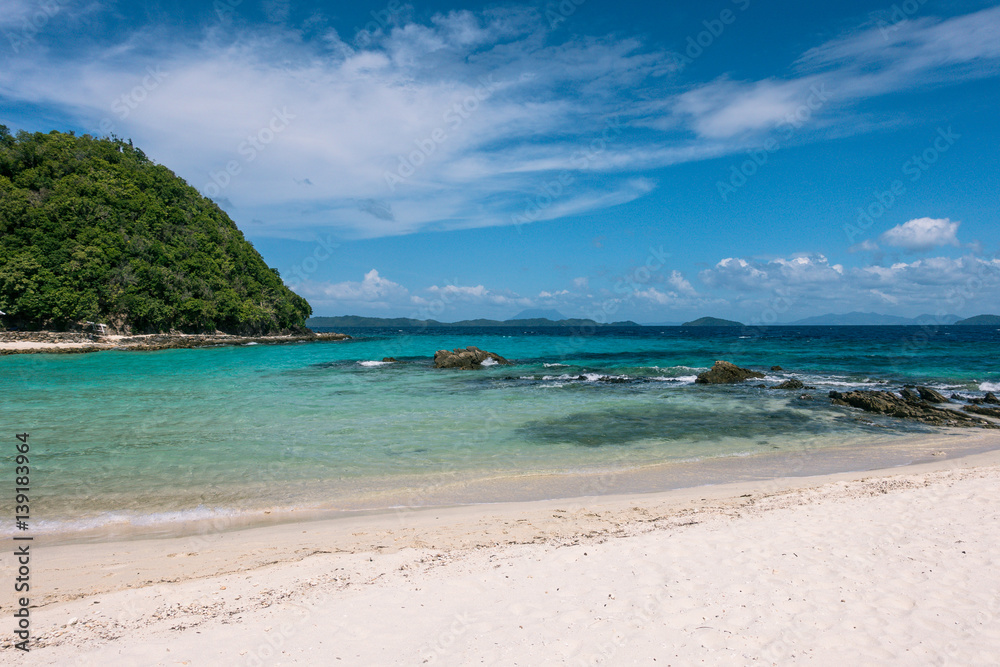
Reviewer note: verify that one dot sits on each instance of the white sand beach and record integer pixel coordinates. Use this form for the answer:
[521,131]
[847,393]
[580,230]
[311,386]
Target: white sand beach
[894,567]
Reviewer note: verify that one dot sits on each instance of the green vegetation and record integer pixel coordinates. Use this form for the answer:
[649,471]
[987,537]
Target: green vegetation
[981,320]
[711,322]
[92,230]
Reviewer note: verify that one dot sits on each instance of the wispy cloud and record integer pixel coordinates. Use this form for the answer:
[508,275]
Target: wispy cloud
[455,123]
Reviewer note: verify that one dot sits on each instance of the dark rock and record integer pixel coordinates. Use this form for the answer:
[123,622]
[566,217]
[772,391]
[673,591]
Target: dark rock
[931,396]
[724,372]
[991,398]
[806,397]
[980,410]
[887,403]
[910,395]
[957,397]
[790,384]
[390,360]
[761,386]
[612,380]
[777,368]
[467,359]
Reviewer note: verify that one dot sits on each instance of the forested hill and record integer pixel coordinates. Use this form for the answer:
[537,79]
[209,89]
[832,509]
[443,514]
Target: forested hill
[92,230]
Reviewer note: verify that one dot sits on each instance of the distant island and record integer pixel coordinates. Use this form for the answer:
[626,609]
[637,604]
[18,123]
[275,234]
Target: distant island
[355,321]
[857,319]
[981,320]
[93,232]
[712,322]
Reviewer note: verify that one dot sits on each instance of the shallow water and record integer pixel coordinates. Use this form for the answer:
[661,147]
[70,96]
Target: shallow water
[157,438]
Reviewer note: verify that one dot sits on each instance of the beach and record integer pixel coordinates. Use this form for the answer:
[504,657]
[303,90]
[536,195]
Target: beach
[894,566]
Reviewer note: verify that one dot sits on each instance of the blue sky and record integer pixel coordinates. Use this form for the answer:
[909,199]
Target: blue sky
[646,161]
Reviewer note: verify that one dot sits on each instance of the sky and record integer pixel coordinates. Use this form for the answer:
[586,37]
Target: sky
[647,161]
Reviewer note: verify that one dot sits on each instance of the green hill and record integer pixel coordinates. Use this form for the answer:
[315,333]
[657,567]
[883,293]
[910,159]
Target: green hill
[981,320]
[91,229]
[711,322]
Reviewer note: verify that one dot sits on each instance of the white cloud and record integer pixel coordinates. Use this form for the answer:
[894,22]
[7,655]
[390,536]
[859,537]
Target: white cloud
[372,290]
[477,294]
[581,283]
[865,246]
[679,283]
[922,234]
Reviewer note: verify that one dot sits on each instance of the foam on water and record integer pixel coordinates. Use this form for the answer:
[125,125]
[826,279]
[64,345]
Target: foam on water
[373,364]
[989,386]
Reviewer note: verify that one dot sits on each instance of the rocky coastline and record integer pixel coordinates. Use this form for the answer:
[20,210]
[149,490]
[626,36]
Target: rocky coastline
[70,342]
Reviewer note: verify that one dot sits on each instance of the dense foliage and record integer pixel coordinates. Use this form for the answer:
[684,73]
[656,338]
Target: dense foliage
[91,229]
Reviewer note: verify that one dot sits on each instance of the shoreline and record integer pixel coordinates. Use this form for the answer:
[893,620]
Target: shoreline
[58,342]
[230,593]
[433,491]
[225,543]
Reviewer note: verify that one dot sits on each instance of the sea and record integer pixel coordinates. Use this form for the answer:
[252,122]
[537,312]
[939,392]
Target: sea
[126,443]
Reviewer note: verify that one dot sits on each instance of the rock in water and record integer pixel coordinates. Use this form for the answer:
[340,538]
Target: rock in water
[790,384]
[980,410]
[990,397]
[724,372]
[931,396]
[777,368]
[467,359]
[910,395]
[887,403]
[389,360]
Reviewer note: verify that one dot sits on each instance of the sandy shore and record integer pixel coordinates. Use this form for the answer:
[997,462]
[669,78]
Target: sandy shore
[48,342]
[895,567]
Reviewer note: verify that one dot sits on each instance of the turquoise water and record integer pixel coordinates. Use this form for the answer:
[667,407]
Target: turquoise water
[144,438]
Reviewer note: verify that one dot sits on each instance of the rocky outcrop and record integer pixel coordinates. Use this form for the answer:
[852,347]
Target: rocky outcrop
[724,372]
[910,395]
[980,410]
[931,396]
[887,403]
[991,398]
[389,360]
[790,384]
[777,368]
[469,358]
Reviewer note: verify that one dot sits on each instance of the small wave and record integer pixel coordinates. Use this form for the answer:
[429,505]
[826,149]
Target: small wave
[223,517]
[373,363]
[555,365]
[989,386]
[250,343]
[489,362]
[681,379]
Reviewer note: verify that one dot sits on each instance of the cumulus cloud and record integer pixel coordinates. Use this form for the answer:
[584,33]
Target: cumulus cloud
[373,290]
[922,234]
[865,246]
[477,294]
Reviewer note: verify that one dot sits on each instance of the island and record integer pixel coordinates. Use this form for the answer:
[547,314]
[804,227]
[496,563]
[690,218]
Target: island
[94,236]
[981,320]
[712,322]
[358,322]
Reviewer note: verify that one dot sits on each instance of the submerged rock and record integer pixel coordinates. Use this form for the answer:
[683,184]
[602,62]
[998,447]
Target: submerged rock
[777,368]
[790,384]
[468,359]
[389,360]
[724,372]
[887,403]
[931,396]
